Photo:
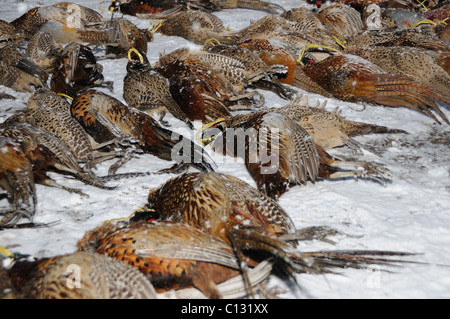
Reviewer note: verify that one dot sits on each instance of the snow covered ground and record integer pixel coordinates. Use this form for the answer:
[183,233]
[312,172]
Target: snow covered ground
[412,213]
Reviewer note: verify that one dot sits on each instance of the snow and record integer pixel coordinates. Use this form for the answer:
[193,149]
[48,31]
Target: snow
[411,213]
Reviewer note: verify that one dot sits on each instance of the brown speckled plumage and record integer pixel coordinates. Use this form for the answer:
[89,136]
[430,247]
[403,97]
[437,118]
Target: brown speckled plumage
[201,91]
[407,61]
[197,27]
[80,275]
[77,69]
[16,178]
[148,91]
[352,78]
[170,255]
[277,154]
[47,153]
[216,203]
[93,107]
[328,129]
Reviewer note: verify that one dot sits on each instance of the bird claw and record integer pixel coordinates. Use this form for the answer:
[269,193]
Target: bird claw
[175,169]
[313,233]
[377,172]
[11,217]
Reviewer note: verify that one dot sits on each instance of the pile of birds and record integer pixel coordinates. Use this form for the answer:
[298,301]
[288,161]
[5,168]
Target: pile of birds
[204,229]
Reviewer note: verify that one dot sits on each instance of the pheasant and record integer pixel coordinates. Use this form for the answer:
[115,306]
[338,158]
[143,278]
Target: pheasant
[200,91]
[77,69]
[170,255]
[46,97]
[357,4]
[228,209]
[18,72]
[17,179]
[258,73]
[69,22]
[279,153]
[79,275]
[214,202]
[91,108]
[158,8]
[29,22]
[293,33]
[47,153]
[196,26]
[43,50]
[241,68]
[274,54]
[248,221]
[66,128]
[266,6]
[352,78]
[329,129]
[407,61]
[344,20]
[123,35]
[148,91]
[424,39]
[69,15]
[147,8]
[9,34]
[82,12]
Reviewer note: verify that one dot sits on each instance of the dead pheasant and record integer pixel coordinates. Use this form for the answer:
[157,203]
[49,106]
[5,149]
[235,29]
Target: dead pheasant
[274,54]
[170,255]
[258,73]
[47,153]
[18,72]
[80,275]
[159,8]
[63,14]
[46,97]
[279,153]
[9,34]
[354,79]
[92,108]
[407,61]
[72,23]
[196,26]
[123,35]
[77,69]
[248,221]
[16,178]
[201,92]
[30,22]
[148,91]
[66,128]
[344,21]
[329,129]
[216,202]
[297,34]
[43,50]
[425,39]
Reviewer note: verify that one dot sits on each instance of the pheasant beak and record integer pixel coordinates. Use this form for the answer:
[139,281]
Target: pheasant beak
[133,50]
[66,96]
[199,135]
